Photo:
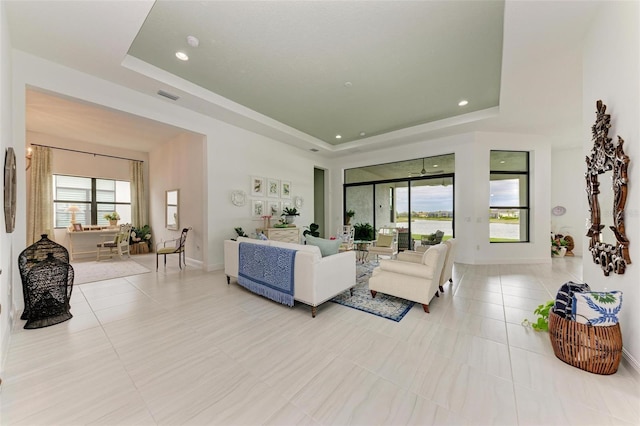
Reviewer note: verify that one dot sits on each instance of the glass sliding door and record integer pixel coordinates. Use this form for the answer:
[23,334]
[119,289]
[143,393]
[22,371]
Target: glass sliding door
[432,207]
[360,200]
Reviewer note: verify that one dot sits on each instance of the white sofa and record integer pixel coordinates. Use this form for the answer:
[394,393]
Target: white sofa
[316,278]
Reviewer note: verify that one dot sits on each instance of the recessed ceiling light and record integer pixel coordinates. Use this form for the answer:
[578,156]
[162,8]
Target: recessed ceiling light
[435,165]
[463,102]
[338,137]
[363,134]
[182,56]
[502,162]
[348,84]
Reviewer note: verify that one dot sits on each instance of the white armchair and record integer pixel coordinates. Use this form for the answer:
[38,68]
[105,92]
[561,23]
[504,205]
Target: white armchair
[447,268]
[385,245]
[410,278]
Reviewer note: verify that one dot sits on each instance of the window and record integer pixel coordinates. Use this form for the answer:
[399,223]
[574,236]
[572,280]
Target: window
[509,197]
[94,198]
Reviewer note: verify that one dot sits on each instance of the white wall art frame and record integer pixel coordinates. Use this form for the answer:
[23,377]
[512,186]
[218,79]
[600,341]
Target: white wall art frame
[258,186]
[257,208]
[273,188]
[273,209]
[285,189]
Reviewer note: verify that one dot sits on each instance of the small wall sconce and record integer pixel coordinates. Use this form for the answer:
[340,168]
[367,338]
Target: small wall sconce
[28,157]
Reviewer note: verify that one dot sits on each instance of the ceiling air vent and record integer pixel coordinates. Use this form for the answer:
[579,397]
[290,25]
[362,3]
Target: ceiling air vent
[168,95]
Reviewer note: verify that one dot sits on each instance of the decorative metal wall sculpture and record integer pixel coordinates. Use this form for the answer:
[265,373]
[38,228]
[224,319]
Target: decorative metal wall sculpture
[607,156]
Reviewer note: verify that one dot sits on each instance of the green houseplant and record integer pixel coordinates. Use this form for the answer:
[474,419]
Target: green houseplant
[558,245]
[113,218]
[348,215]
[312,230]
[363,232]
[290,214]
[542,311]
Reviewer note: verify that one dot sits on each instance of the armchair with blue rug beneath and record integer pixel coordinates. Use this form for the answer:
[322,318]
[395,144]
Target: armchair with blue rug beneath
[411,279]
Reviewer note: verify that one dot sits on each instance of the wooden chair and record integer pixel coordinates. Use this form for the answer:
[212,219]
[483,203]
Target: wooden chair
[175,246]
[116,244]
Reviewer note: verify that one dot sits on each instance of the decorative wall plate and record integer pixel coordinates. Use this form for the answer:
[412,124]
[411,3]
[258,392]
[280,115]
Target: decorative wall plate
[558,210]
[238,198]
[299,202]
[10,190]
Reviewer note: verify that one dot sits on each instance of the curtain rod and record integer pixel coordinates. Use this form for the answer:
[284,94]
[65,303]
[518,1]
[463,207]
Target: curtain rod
[85,152]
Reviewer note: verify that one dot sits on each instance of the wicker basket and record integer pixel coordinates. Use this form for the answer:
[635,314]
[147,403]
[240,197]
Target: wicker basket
[593,349]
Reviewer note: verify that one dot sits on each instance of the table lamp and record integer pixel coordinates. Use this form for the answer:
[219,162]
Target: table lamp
[73,210]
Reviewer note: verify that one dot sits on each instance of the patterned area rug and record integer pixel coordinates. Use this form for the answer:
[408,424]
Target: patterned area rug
[385,306]
[87,272]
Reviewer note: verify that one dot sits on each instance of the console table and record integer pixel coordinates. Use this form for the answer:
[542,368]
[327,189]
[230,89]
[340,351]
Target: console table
[286,235]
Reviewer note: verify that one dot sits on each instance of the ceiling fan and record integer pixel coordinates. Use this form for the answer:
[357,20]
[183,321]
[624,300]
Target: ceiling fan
[424,171]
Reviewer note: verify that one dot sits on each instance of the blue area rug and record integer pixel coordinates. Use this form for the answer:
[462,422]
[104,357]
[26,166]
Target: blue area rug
[385,306]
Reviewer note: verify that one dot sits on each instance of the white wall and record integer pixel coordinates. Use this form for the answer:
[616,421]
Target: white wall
[8,251]
[180,164]
[611,73]
[568,190]
[472,192]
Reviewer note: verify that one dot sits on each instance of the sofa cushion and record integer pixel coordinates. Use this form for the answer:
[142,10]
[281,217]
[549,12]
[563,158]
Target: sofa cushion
[384,241]
[597,308]
[315,251]
[327,247]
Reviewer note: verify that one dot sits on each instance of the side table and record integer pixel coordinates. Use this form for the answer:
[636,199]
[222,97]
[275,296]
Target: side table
[362,250]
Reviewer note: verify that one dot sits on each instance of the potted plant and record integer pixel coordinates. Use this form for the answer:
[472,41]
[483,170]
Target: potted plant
[140,239]
[558,245]
[113,218]
[542,311]
[290,214]
[348,215]
[363,232]
[312,230]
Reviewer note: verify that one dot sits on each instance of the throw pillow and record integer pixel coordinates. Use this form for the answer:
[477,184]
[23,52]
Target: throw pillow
[327,247]
[597,308]
[384,241]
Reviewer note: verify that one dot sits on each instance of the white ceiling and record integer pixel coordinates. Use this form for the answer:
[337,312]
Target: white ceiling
[540,87]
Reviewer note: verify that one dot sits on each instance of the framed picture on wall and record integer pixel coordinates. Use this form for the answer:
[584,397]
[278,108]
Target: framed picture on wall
[274,209]
[286,205]
[257,208]
[257,186]
[286,189]
[273,188]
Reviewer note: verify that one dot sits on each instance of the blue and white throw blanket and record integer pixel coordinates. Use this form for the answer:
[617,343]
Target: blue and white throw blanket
[267,271]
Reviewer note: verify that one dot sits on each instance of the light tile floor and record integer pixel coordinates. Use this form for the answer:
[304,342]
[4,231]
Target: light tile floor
[183,347]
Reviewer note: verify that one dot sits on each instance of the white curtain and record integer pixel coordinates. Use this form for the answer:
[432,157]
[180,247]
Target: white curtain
[40,208]
[138,194]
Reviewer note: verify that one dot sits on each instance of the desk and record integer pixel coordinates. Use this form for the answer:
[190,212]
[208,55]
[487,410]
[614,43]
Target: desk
[85,242]
[362,250]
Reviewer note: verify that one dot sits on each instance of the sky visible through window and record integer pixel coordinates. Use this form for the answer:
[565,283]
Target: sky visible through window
[505,193]
[425,199]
